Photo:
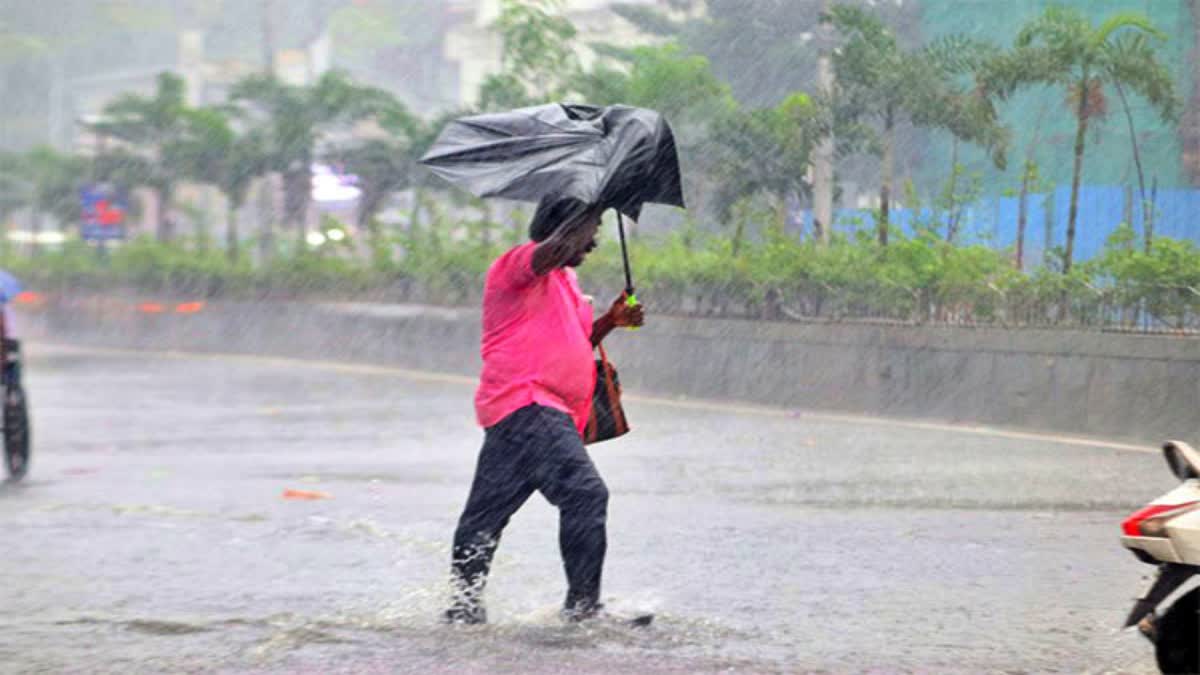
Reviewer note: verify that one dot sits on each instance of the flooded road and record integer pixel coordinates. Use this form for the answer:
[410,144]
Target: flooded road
[152,535]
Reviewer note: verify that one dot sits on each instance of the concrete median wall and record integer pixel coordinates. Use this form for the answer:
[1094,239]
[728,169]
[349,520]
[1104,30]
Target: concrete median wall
[1132,387]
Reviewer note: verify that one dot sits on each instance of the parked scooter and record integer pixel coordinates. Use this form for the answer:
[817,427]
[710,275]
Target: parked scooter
[1166,533]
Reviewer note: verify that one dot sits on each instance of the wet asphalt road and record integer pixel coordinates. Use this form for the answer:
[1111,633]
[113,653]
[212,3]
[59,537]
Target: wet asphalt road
[152,535]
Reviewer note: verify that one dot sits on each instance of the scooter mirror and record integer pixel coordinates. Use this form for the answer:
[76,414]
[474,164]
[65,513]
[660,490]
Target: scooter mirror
[1183,461]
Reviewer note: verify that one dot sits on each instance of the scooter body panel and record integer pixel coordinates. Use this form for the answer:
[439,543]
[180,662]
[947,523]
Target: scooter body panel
[1167,533]
[1158,548]
[1182,541]
[1184,534]
[1188,491]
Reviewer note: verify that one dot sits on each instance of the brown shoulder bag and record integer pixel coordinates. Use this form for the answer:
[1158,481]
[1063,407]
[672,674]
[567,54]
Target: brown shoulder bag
[607,420]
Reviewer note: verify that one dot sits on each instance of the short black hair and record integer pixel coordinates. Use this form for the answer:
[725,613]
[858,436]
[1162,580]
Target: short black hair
[553,213]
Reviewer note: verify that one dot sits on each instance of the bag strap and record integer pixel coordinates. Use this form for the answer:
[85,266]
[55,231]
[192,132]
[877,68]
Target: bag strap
[603,355]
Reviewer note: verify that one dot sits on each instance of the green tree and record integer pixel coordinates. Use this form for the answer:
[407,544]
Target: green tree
[151,129]
[880,79]
[383,166]
[1031,181]
[961,187]
[538,62]
[1063,47]
[770,39]
[46,182]
[764,151]
[213,152]
[295,120]
[1163,279]
[386,164]
[57,178]
[664,78]
[423,134]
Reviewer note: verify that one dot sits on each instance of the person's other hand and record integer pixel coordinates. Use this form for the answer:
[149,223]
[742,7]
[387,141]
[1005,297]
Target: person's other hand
[624,315]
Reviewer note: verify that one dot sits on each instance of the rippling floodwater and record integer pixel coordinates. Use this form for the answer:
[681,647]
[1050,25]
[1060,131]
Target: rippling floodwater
[152,536]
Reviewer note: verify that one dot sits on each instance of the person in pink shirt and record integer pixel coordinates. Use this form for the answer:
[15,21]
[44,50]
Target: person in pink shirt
[533,401]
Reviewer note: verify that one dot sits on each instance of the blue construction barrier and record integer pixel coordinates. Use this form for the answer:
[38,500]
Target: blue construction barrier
[993,221]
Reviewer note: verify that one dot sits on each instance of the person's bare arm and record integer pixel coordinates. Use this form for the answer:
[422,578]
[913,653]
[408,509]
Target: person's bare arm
[601,328]
[620,314]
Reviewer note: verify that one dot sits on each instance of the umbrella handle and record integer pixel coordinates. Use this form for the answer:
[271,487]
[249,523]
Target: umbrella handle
[631,301]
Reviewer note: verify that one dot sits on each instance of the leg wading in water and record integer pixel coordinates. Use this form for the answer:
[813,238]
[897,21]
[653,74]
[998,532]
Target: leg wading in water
[534,448]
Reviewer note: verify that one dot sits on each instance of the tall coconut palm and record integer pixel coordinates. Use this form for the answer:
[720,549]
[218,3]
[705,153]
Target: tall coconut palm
[885,81]
[1063,47]
[151,127]
[1132,58]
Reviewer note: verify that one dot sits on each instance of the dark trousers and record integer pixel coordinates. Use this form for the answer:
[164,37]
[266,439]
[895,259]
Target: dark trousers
[534,448]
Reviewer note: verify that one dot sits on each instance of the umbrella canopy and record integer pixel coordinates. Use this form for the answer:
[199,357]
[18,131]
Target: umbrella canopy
[618,156]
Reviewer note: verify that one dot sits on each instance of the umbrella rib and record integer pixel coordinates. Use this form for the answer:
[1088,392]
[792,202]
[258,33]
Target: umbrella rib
[536,169]
[485,148]
[483,125]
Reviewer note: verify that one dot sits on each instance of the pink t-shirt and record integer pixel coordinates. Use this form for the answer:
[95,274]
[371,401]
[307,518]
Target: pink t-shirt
[536,341]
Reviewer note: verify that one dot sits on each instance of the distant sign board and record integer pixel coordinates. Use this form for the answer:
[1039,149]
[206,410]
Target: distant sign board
[104,213]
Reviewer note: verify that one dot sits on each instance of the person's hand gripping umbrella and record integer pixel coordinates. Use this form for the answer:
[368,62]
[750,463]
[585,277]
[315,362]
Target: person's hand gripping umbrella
[617,157]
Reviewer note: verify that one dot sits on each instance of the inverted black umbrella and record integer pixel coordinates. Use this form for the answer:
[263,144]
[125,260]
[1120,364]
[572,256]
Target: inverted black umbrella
[617,157]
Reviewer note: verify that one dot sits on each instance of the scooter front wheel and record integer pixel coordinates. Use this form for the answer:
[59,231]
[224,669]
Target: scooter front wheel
[16,433]
[1177,646]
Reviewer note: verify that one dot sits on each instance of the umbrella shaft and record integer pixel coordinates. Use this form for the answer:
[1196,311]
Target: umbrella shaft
[624,253]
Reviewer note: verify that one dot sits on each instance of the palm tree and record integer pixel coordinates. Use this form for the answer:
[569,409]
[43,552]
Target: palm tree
[296,120]
[46,182]
[879,79]
[422,135]
[386,163]
[246,160]
[152,127]
[382,168]
[57,178]
[215,153]
[1063,47]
